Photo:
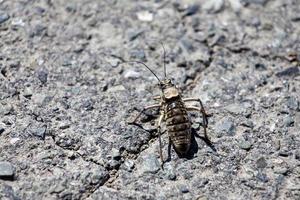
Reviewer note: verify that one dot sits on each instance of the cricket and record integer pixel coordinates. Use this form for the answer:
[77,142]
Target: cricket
[174,112]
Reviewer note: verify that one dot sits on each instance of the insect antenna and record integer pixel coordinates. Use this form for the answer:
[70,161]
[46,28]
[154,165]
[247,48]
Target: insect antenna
[139,62]
[165,70]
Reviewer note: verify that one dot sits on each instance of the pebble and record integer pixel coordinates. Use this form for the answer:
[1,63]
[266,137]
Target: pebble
[14,140]
[133,34]
[236,5]
[281,170]
[261,163]
[27,92]
[116,88]
[1,130]
[291,71]
[42,75]
[40,131]
[128,165]
[183,188]
[169,171]
[260,67]
[145,16]
[150,164]
[7,170]
[248,123]
[4,17]
[17,23]
[262,177]
[297,154]
[292,103]
[288,121]
[213,6]
[246,145]
[115,154]
[5,109]
[99,176]
[131,74]
[138,54]
[260,2]
[191,10]
[225,125]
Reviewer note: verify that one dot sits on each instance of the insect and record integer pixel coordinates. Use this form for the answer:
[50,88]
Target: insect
[174,112]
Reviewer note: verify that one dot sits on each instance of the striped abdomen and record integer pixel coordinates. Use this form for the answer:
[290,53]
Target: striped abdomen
[178,126]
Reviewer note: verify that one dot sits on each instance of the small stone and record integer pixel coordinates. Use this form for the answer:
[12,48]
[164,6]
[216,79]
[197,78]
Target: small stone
[291,71]
[133,34]
[150,164]
[288,121]
[234,109]
[292,103]
[27,92]
[236,5]
[246,145]
[4,17]
[281,170]
[115,153]
[262,177]
[14,140]
[5,109]
[17,23]
[260,67]
[145,16]
[40,131]
[183,188]
[247,123]
[226,126]
[259,2]
[37,30]
[6,191]
[64,126]
[284,153]
[99,176]
[297,155]
[113,164]
[116,88]
[131,74]
[42,75]
[1,130]
[138,54]
[191,10]
[129,165]
[213,6]
[261,163]
[7,170]
[169,172]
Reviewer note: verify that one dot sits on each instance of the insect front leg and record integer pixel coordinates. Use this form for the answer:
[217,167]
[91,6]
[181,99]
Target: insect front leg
[144,109]
[161,117]
[204,117]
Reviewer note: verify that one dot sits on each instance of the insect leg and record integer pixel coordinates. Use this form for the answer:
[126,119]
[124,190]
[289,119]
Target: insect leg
[144,109]
[205,121]
[169,150]
[205,115]
[159,137]
[157,97]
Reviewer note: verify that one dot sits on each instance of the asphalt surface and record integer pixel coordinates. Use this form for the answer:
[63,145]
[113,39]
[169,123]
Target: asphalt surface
[66,96]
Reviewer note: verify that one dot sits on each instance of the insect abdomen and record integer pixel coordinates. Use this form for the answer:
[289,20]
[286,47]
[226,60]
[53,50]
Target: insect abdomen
[178,126]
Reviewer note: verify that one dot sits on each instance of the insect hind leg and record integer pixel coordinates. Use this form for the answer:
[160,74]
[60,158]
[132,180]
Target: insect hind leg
[159,138]
[202,110]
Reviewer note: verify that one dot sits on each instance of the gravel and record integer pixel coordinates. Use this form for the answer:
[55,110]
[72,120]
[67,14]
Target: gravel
[7,170]
[66,97]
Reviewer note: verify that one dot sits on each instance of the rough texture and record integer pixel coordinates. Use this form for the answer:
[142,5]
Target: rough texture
[65,97]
